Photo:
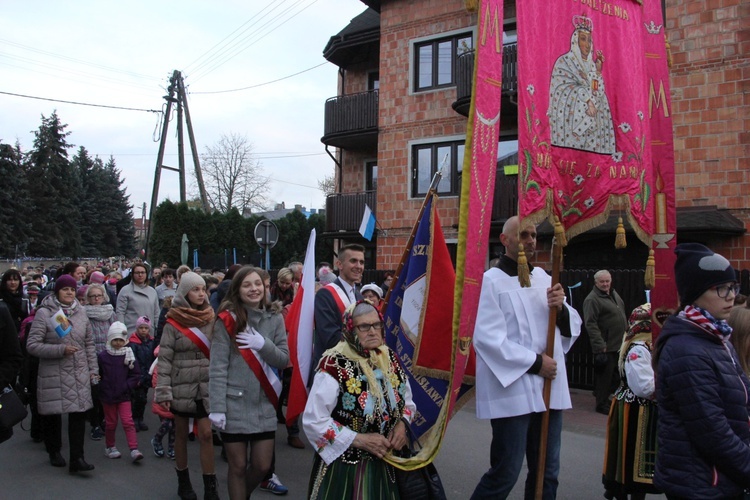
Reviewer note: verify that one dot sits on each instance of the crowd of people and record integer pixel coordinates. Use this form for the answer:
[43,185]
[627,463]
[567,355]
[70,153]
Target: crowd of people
[208,354]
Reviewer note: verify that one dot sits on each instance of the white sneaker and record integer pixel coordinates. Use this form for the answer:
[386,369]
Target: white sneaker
[136,455]
[112,452]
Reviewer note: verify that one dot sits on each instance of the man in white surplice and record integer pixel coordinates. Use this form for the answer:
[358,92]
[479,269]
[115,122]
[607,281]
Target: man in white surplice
[510,339]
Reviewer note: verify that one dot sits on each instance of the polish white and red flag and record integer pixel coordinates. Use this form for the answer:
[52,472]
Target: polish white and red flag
[299,325]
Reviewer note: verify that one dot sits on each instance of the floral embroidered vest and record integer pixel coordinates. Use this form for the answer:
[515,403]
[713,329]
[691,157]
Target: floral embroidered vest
[356,408]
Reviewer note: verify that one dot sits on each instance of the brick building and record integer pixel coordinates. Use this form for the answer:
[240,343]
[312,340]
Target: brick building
[400,112]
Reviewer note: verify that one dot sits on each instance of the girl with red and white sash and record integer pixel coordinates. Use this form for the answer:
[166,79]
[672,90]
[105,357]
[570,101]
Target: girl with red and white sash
[182,381]
[249,341]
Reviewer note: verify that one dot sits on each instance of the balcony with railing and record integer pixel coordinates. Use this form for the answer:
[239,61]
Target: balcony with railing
[344,212]
[351,121]
[465,75]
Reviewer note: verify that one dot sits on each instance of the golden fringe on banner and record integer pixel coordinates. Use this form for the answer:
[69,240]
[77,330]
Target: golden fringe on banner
[523,268]
[471,5]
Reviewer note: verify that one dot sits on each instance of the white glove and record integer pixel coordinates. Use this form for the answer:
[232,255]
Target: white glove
[250,339]
[218,419]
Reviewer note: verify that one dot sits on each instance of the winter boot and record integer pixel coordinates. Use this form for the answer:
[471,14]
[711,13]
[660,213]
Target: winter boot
[209,487]
[184,488]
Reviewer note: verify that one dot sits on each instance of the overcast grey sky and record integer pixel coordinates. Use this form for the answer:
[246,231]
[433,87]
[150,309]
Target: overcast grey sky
[122,54]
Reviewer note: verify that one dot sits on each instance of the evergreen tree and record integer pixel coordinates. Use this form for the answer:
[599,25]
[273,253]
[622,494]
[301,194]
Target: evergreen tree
[15,207]
[91,186]
[166,235]
[119,239]
[56,191]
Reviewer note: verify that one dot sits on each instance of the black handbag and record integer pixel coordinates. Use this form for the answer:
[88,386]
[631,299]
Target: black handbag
[12,410]
[419,484]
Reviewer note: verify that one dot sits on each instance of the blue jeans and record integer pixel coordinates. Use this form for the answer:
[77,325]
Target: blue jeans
[512,437]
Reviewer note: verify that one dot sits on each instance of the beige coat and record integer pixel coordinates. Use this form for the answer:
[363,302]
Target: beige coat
[182,370]
[64,382]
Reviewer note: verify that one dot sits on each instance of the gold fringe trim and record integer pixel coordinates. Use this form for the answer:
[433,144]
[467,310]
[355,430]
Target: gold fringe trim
[615,202]
[669,52]
[620,241]
[650,276]
[471,5]
[523,268]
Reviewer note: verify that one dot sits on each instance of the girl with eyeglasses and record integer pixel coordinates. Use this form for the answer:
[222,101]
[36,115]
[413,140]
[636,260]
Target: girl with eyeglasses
[101,315]
[702,392]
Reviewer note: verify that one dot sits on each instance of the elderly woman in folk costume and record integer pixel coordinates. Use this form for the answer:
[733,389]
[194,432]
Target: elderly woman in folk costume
[631,429]
[356,412]
[182,383]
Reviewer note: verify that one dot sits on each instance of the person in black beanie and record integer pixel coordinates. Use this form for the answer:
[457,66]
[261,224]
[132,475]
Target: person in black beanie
[703,432]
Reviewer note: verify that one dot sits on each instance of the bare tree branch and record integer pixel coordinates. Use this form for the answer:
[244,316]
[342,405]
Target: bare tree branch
[233,176]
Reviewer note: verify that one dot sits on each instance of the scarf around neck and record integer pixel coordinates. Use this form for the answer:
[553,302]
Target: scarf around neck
[703,320]
[123,351]
[189,317]
[102,312]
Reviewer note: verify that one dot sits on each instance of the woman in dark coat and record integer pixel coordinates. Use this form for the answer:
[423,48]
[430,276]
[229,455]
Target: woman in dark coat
[11,292]
[703,427]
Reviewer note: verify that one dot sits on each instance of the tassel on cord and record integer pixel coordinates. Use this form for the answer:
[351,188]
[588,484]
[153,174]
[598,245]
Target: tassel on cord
[471,5]
[523,268]
[620,241]
[650,277]
[560,238]
[669,52]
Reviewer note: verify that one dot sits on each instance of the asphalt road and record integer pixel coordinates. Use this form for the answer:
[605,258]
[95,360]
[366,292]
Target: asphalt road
[25,473]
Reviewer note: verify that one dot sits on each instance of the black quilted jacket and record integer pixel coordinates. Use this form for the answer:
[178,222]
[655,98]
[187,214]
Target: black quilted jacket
[703,427]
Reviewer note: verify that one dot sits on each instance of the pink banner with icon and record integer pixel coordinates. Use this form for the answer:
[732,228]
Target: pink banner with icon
[584,131]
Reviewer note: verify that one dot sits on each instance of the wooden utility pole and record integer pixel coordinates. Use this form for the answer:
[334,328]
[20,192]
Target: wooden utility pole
[176,97]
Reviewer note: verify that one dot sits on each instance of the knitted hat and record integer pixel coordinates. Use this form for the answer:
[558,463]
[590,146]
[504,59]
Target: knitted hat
[65,281]
[374,288]
[96,277]
[117,330]
[143,320]
[188,281]
[32,288]
[81,292]
[697,269]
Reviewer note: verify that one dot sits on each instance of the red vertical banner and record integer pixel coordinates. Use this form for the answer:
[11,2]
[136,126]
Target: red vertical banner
[584,133]
[478,184]
[664,294]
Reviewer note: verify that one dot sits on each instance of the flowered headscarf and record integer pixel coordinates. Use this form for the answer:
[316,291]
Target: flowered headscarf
[347,329]
[639,330]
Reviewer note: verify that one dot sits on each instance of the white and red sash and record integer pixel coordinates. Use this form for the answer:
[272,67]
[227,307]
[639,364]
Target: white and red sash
[196,336]
[339,295]
[268,378]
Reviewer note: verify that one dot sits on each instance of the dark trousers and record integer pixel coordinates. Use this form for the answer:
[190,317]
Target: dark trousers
[138,399]
[606,381]
[512,439]
[52,430]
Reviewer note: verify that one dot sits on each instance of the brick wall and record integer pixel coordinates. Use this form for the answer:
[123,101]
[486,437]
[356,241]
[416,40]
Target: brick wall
[406,117]
[710,78]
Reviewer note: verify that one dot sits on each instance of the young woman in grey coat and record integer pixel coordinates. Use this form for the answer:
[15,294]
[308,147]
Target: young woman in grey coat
[249,340]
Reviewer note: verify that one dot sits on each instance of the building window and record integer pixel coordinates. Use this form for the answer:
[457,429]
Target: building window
[435,61]
[429,158]
[371,176]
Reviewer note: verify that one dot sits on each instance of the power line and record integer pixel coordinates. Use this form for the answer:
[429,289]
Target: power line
[262,84]
[80,103]
[258,37]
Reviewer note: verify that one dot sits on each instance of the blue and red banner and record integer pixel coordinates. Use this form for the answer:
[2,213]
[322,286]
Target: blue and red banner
[418,328]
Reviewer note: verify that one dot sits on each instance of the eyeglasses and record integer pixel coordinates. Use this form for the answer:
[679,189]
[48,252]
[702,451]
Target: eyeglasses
[96,296]
[723,290]
[365,327]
